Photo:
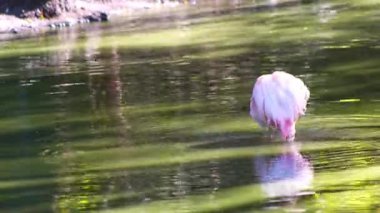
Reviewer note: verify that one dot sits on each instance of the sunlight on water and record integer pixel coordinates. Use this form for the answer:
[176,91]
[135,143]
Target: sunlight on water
[154,117]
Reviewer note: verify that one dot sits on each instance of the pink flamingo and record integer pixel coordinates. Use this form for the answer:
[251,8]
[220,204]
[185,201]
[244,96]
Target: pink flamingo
[277,101]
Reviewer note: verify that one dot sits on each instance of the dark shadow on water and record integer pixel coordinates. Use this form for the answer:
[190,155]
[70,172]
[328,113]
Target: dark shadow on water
[27,198]
[348,187]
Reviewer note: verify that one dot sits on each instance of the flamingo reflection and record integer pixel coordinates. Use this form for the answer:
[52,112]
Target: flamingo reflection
[285,177]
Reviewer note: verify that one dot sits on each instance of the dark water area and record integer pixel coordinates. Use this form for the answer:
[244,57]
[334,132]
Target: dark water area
[151,114]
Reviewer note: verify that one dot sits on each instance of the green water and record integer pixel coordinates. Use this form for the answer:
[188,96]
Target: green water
[151,115]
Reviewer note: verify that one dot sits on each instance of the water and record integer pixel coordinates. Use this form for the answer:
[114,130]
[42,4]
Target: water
[151,115]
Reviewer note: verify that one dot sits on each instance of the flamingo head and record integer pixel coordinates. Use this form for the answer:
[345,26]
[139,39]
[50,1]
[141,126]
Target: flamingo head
[288,130]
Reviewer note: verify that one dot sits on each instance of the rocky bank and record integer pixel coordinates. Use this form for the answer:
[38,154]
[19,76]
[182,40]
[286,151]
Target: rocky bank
[84,11]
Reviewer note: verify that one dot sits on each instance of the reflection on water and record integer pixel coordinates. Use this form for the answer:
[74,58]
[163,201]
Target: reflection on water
[153,118]
[286,176]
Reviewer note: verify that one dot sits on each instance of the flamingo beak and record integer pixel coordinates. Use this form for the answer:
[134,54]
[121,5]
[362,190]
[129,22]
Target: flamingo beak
[289,138]
[288,131]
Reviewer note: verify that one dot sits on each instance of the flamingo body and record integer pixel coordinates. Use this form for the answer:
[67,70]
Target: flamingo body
[277,101]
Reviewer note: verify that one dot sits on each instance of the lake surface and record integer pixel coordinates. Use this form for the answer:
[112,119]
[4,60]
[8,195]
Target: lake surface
[151,115]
